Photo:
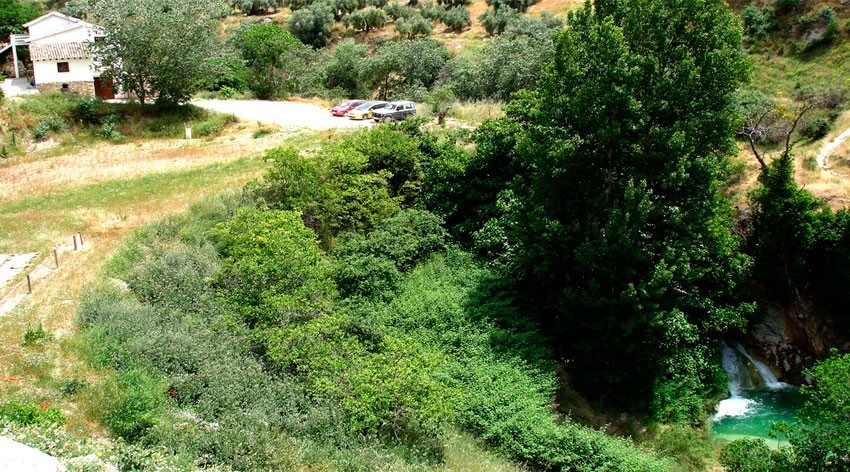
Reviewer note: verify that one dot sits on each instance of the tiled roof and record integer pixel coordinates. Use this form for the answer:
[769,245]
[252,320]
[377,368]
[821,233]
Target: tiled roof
[59,51]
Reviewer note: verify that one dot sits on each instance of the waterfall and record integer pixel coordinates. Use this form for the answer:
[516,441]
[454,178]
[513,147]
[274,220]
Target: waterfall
[767,378]
[741,367]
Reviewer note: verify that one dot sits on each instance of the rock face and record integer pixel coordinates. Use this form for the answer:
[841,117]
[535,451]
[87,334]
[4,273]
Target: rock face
[17,457]
[791,339]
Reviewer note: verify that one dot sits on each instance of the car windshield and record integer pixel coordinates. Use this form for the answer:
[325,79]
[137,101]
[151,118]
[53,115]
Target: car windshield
[390,106]
[344,104]
[364,106]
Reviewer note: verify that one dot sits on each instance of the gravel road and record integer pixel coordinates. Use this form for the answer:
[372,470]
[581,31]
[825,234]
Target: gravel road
[286,114]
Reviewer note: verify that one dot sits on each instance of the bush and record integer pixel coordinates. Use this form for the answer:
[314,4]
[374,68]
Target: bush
[335,190]
[129,402]
[213,126]
[758,22]
[312,25]
[397,10]
[495,21]
[816,127]
[35,334]
[366,19]
[457,19]
[27,415]
[415,26]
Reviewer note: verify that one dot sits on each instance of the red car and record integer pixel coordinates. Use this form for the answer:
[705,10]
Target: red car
[345,107]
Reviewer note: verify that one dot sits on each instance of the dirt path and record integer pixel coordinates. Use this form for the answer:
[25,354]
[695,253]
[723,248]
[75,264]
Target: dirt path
[828,149]
[290,115]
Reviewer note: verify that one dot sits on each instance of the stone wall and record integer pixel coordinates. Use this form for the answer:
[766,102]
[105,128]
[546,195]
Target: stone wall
[82,88]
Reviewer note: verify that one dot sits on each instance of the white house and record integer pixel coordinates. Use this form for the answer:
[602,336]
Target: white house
[60,50]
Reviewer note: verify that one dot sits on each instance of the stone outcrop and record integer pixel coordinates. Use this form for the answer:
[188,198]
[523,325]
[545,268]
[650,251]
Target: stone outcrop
[791,339]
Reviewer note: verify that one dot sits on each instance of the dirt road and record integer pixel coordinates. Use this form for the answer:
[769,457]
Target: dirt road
[285,114]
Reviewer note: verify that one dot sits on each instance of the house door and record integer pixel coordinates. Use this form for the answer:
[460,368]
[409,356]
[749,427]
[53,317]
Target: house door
[103,88]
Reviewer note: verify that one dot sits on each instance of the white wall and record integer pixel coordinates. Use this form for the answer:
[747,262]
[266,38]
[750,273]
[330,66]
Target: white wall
[76,35]
[48,25]
[79,70]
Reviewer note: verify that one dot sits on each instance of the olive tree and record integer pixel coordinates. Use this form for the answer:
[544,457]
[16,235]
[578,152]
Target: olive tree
[159,48]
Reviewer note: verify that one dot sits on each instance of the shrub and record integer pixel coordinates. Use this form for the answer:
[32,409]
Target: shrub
[749,455]
[273,269]
[47,125]
[366,19]
[335,190]
[816,127]
[397,10]
[312,25]
[495,21]
[129,402]
[413,27]
[35,334]
[457,19]
[758,22]
[431,11]
[27,415]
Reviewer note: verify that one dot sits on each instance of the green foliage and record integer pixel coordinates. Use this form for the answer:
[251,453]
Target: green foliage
[618,232]
[367,19]
[273,269]
[758,22]
[26,414]
[312,25]
[278,63]
[76,8]
[371,266]
[508,62]
[747,455]
[784,225]
[35,334]
[518,5]
[821,442]
[457,19]
[13,14]
[129,402]
[256,7]
[344,70]
[452,4]
[334,189]
[816,127]
[213,126]
[341,8]
[397,10]
[413,27]
[405,64]
[161,48]
[495,21]
[431,11]
[391,151]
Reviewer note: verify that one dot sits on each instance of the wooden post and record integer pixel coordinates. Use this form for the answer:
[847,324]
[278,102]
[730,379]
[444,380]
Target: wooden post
[29,284]
[74,237]
[56,257]
[80,235]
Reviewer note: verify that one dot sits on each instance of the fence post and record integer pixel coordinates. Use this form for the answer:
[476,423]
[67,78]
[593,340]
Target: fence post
[56,257]
[29,284]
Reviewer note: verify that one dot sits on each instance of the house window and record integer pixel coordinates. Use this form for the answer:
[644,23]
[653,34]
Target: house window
[63,67]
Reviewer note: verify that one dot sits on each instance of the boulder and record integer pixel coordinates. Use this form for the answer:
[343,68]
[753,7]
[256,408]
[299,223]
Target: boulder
[17,457]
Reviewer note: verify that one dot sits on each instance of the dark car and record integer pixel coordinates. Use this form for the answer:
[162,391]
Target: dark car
[345,107]
[395,111]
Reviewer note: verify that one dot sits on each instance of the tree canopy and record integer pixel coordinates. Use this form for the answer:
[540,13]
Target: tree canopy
[159,49]
[610,217]
[13,14]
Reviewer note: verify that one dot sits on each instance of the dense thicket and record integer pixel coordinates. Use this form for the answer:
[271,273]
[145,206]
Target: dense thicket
[338,357]
[609,217]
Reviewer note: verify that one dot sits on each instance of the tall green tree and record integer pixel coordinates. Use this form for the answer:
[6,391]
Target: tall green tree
[276,59]
[13,14]
[159,49]
[612,221]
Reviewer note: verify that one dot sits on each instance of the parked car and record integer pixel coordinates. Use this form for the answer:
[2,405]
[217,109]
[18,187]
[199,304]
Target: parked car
[395,111]
[364,111]
[345,107]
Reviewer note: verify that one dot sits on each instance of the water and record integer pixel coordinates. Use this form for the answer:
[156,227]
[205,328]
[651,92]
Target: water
[757,399]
